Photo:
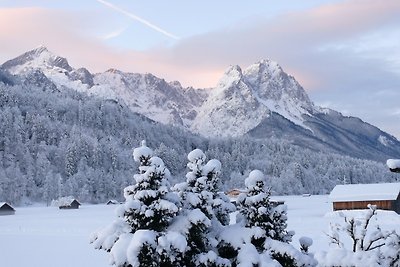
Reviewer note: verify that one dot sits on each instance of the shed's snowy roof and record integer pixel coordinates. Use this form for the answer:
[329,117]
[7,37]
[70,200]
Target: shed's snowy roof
[361,192]
[64,201]
[393,163]
[5,203]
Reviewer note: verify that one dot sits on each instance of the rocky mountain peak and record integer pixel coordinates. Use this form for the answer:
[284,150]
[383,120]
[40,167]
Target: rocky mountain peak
[264,68]
[271,82]
[232,75]
[39,50]
[38,58]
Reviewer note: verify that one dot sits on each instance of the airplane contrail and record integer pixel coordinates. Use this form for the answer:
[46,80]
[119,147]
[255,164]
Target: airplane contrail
[134,17]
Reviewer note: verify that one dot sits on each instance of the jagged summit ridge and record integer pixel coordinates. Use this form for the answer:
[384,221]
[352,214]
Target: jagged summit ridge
[242,99]
[271,82]
[39,57]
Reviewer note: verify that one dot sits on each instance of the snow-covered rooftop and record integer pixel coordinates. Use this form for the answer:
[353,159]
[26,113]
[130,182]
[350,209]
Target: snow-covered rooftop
[362,192]
[393,163]
[5,204]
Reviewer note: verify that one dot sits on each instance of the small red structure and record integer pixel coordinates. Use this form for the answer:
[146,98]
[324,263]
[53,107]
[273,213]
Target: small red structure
[234,193]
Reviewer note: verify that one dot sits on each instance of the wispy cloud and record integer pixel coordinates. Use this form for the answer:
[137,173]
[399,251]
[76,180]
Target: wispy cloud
[139,19]
[114,34]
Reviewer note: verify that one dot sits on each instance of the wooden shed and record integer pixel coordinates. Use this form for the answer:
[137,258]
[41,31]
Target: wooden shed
[6,209]
[112,202]
[73,204]
[358,196]
[234,193]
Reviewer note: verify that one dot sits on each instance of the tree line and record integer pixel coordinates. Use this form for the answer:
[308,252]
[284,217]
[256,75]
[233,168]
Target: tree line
[61,142]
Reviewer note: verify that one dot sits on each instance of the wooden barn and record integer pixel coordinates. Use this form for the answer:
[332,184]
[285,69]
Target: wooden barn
[358,196]
[72,204]
[112,202]
[6,209]
[234,193]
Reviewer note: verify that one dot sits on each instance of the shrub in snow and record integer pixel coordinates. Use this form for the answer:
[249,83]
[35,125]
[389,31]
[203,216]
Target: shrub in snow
[370,245]
[272,238]
[391,250]
[139,236]
[305,244]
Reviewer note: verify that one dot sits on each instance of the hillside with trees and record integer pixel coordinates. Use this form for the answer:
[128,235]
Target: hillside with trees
[61,142]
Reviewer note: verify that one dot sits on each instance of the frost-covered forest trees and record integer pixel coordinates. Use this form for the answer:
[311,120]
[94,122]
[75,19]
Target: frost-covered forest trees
[61,142]
[190,225]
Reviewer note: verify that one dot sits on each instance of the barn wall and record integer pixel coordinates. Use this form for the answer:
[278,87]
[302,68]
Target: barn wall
[396,204]
[7,212]
[351,205]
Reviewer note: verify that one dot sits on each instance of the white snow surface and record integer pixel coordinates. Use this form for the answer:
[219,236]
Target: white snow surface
[255,177]
[384,140]
[139,238]
[305,241]
[361,192]
[173,240]
[393,163]
[213,165]
[142,151]
[197,155]
[48,237]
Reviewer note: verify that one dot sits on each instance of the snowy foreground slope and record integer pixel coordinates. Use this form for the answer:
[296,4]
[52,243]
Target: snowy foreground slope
[48,237]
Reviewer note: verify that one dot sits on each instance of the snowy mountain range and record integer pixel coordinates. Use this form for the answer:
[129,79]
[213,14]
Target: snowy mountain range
[261,101]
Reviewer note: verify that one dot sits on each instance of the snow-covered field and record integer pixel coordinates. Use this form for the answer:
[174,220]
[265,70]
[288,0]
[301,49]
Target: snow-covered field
[48,237]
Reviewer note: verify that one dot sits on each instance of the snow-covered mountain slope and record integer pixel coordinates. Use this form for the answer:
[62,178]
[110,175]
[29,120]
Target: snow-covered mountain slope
[168,103]
[263,101]
[242,99]
[260,101]
[40,61]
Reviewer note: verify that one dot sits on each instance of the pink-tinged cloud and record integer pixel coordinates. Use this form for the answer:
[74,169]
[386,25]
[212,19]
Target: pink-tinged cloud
[23,29]
[292,39]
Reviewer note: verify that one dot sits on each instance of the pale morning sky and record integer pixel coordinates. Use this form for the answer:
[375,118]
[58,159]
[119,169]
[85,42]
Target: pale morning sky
[346,54]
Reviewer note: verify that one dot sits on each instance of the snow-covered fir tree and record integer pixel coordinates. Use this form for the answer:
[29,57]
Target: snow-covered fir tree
[258,210]
[148,206]
[265,224]
[139,236]
[205,211]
